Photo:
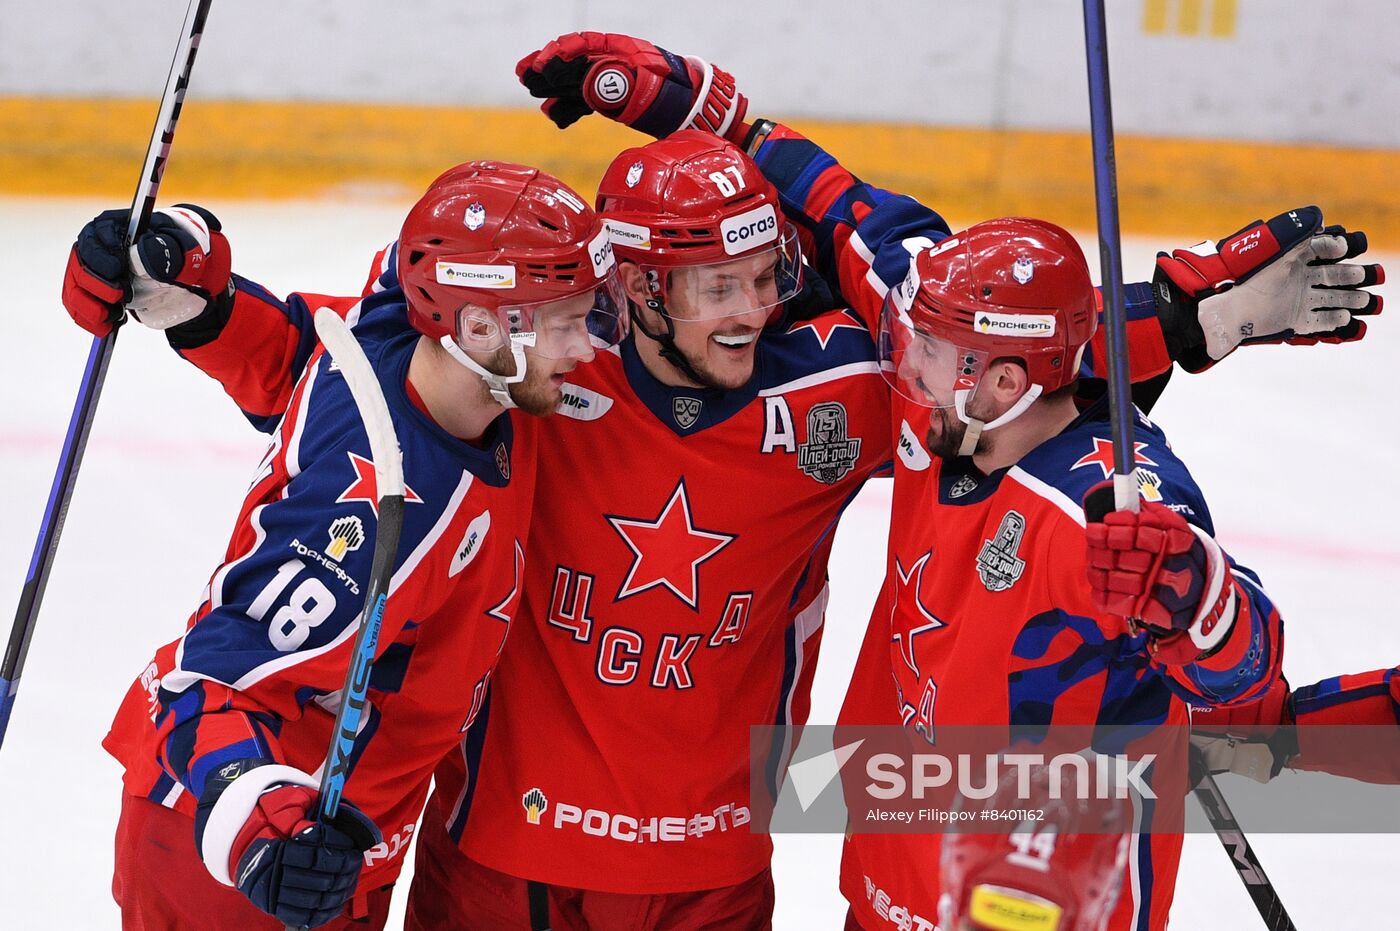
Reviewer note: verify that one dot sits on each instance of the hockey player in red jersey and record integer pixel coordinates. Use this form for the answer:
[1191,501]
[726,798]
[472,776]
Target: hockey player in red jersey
[861,238]
[674,612]
[508,285]
[981,340]
[669,586]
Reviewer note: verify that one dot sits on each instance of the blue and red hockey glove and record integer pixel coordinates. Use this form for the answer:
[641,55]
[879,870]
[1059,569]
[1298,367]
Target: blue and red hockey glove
[634,82]
[1282,281]
[256,830]
[1160,573]
[175,271]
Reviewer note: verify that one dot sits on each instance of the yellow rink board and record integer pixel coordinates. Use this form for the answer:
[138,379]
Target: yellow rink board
[261,150]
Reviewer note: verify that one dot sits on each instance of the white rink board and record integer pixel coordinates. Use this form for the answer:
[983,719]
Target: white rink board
[1287,71]
[1285,441]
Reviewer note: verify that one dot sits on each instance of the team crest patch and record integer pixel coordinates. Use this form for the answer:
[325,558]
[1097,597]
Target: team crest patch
[503,461]
[634,174]
[1023,270]
[534,802]
[829,453]
[998,566]
[963,486]
[347,535]
[475,216]
[686,411]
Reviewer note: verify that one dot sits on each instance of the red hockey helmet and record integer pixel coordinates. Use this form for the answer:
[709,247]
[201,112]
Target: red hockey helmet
[1013,287]
[1061,872]
[491,244]
[696,201]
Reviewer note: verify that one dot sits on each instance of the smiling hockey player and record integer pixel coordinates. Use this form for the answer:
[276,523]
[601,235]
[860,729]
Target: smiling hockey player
[220,734]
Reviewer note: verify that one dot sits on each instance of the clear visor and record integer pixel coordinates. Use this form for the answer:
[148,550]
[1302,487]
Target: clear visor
[752,283]
[925,369]
[563,328]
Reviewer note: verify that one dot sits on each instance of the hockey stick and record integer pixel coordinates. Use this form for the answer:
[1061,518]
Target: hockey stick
[1125,486]
[335,335]
[1251,872]
[1120,404]
[80,425]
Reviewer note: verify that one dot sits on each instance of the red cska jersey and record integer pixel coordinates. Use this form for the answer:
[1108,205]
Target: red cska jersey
[674,593]
[985,615]
[258,672]
[987,619]
[675,581]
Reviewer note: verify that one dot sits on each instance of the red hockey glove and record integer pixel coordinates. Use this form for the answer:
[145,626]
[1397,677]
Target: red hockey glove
[634,82]
[171,274]
[256,830]
[1284,281]
[1155,569]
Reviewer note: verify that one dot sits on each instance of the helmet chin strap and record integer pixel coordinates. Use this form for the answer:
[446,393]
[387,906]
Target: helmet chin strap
[975,427]
[667,341]
[498,385]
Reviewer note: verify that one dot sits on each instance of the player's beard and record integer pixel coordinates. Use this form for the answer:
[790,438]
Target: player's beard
[945,433]
[535,395]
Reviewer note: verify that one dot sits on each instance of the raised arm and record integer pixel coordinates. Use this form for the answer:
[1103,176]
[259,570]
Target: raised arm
[177,278]
[1286,280]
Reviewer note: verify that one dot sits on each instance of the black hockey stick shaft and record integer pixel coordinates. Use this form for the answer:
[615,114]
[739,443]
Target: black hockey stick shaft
[1241,855]
[1125,491]
[95,374]
[1125,487]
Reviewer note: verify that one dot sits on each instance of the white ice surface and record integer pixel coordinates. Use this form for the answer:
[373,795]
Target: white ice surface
[1291,446]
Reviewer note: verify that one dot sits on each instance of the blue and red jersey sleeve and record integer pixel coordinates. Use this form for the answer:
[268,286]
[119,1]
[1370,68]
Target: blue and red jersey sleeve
[860,237]
[1246,663]
[280,614]
[265,342]
[854,234]
[1327,714]
[1347,725]
[1365,698]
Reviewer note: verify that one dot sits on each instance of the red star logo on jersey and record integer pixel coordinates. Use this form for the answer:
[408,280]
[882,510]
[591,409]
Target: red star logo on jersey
[669,550]
[1102,456]
[365,488]
[826,324]
[909,586]
[505,611]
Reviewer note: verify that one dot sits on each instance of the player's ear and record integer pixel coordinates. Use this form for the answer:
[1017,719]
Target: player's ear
[480,331]
[1009,380]
[634,281]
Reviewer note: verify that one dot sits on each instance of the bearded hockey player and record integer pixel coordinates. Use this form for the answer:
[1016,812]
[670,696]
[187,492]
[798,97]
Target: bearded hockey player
[1292,286]
[672,613]
[508,284]
[999,612]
